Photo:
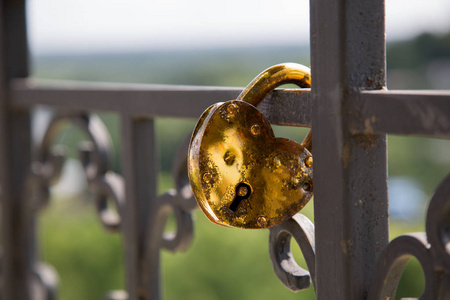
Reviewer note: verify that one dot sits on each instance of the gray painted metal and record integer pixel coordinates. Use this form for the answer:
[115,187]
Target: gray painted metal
[17,221]
[430,249]
[290,274]
[288,107]
[350,175]
[347,250]
[181,202]
[95,155]
[423,113]
[140,167]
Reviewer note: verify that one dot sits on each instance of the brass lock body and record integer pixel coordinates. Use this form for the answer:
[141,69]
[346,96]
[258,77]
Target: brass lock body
[241,174]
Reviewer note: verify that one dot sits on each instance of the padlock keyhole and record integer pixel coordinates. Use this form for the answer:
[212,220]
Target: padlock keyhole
[243,191]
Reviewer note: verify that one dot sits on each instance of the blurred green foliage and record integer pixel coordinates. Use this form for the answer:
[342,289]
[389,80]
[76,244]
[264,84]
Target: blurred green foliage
[418,52]
[222,263]
[89,260]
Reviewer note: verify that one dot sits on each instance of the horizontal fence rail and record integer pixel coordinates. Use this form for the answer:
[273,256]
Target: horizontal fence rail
[400,112]
[424,113]
[280,107]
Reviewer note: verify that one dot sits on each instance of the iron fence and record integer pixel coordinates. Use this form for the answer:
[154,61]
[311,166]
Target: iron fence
[347,249]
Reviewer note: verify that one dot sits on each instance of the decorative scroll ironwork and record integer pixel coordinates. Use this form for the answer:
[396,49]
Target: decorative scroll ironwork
[287,270]
[116,295]
[95,155]
[181,202]
[432,250]
[44,282]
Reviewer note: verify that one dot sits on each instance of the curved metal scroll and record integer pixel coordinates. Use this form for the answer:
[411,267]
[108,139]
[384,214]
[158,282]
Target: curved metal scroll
[95,156]
[181,202]
[287,270]
[116,295]
[44,282]
[431,250]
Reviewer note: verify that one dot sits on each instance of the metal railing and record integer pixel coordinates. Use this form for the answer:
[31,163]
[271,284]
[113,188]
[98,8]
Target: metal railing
[347,249]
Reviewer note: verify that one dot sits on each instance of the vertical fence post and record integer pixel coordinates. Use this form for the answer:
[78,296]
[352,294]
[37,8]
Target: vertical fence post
[140,170]
[15,142]
[350,173]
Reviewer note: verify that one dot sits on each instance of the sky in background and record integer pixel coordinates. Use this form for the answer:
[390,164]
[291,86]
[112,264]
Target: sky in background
[86,26]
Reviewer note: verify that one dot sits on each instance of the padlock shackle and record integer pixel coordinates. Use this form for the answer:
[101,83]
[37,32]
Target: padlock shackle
[273,77]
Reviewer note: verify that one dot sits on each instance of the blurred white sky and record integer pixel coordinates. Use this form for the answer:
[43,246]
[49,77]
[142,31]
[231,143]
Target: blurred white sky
[84,26]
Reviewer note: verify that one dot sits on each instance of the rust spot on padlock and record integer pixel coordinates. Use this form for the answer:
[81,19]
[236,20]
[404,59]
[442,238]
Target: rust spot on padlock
[262,221]
[229,158]
[255,129]
[309,161]
[240,173]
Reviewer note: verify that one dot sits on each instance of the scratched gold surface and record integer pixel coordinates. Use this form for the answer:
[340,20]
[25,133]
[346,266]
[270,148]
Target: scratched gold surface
[233,143]
[233,150]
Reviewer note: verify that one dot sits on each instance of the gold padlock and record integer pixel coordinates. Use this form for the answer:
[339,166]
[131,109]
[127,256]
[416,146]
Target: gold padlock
[240,173]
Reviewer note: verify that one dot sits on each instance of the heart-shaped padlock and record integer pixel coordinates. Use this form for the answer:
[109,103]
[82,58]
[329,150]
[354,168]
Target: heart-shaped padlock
[240,173]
